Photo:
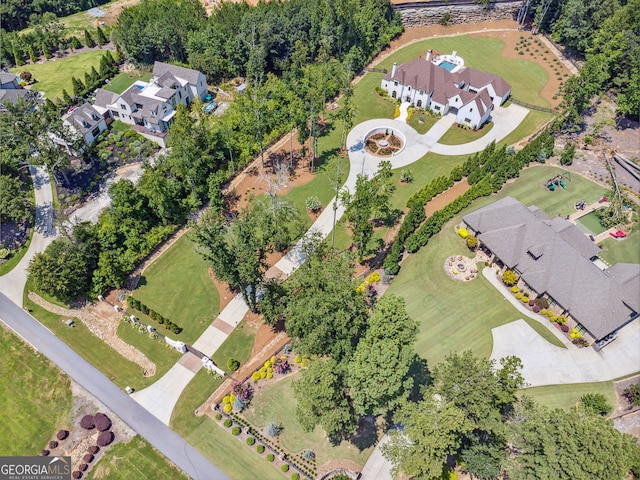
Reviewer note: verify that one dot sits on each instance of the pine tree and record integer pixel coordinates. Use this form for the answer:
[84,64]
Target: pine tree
[88,39]
[102,39]
[32,54]
[75,43]
[94,75]
[66,98]
[105,67]
[78,87]
[87,80]
[50,106]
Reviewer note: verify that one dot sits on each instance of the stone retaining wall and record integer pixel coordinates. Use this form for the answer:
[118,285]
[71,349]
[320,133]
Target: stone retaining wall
[427,15]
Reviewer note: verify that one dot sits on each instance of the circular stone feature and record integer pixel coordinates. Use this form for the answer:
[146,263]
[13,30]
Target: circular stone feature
[384,141]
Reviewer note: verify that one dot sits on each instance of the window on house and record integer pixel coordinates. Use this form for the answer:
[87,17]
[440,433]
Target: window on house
[468,120]
[179,94]
[419,103]
[471,109]
[437,107]
[395,84]
[95,131]
[123,106]
[551,301]
[409,88]
[115,114]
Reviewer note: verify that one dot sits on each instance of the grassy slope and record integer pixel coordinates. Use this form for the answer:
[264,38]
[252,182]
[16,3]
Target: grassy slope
[55,75]
[276,402]
[216,444]
[456,316]
[158,351]
[459,136]
[135,459]
[626,250]
[35,397]
[178,286]
[566,396]
[237,345]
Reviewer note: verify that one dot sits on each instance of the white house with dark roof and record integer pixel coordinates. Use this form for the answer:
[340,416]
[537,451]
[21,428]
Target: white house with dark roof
[86,120]
[151,106]
[468,93]
[554,259]
[11,90]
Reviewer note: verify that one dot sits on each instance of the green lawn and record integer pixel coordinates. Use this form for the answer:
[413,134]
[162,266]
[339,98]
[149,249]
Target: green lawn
[625,250]
[55,75]
[135,459]
[35,397]
[120,126]
[237,345]
[277,403]
[526,77]
[456,316]
[237,461]
[531,123]
[122,81]
[566,396]
[458,136]
[428,121]
[158,351]
[117,368]
[178,286]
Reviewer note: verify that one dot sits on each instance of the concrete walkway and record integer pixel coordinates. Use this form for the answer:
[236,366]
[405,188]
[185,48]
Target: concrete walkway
[378,467]
[404,112]
[12,284]
[361,163]
[547,364]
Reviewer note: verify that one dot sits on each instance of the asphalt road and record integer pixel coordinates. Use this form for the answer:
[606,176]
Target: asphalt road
[174,447]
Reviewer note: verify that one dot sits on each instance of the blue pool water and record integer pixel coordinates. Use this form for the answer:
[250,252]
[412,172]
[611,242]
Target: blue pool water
[139,87]
[447,65]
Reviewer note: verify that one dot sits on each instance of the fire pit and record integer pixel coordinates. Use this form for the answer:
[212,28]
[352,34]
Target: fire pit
[384,141]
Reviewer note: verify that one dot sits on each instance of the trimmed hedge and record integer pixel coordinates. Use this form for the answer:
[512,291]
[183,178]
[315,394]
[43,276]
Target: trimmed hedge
[45,453]
[227,423]
[93,449]
[285,467]
[141,307]
[88,458]
[271,457]
[250,441]
[53,444]
[295,476]
[76,474]
[102,422]
[260,448]
[87,422]
[235,431]
[105,438]
[62,434]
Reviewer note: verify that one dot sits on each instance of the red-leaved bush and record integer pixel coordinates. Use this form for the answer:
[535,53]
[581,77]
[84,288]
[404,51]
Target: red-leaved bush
[53,444]
[88,458]
[87,422]
[44,453]
[82,467]
[102,422]
[76,474]
[105,438]
[62,434]
[93,449]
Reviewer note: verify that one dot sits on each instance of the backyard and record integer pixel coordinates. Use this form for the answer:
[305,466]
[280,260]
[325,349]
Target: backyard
[566,396]
[124,80]
[54,76]
[461,316]
[35,397]
[178,272]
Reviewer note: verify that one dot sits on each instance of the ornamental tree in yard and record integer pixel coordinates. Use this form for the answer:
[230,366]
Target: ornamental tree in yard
[509,277]
[378,372]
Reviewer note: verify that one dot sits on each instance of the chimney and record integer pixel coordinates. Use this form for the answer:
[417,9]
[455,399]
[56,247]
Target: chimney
[393,70]
[429,52]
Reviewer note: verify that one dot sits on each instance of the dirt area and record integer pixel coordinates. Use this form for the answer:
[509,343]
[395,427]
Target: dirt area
[79,439]
[442,200]
[626,417]
[102,320]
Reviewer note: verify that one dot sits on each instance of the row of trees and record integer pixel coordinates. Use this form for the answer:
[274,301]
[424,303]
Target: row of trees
[17,14]
[46,37]
[605,34]
[238,40]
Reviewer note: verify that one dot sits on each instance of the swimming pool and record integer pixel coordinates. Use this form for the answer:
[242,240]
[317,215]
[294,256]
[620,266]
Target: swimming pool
[447,65]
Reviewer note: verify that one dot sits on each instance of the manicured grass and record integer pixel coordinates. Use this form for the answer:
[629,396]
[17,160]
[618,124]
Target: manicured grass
[120,126]
[158,351]
[122,81]
[458,136]
[178,286]
[368,103]
[237,345]
[566,396]
[531,124]
[35,397]
[135,459]
[456,316]
[428,121]
[592,223]
[55,75]
[17,256]
[622,251]
[117,368]
[277,403]
[237,461]
[526,77]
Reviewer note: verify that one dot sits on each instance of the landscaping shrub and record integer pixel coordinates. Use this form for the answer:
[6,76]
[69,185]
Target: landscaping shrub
[463,232]
[309,454]
[88,458]
[93,449]
[233,364]
[472,242]
[564,328]
[596,403]
[250,441]
[105,438]
[273,430]
[87,422]
[536,309]
[285,467]
[243,391]
[227,423]
[271,457]
[44,453]
[295,476]
[260,448]
[62,434]
[518,296]
[531,303]
[235,431]
[76,474]
[313,204]
[83,467]
[53,444]
[632,394]
[218,416]
[509,278]
[525,299]
[515,289]
[255,376]
[543,311]
[102,422]
[541,302]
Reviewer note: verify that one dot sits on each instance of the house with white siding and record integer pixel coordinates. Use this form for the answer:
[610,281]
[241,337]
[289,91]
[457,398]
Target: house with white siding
[444,85]
[151,106]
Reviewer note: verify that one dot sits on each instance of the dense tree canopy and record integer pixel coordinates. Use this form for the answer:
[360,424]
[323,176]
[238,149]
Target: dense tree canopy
[14,203]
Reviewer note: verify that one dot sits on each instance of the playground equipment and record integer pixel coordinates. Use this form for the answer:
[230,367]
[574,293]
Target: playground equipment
[558,181]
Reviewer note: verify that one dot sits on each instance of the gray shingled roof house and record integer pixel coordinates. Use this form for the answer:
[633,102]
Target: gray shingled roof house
[10,90]
[553,258]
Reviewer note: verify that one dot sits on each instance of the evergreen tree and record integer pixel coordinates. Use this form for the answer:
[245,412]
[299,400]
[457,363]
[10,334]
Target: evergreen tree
[100,36]
[88,39]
